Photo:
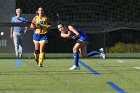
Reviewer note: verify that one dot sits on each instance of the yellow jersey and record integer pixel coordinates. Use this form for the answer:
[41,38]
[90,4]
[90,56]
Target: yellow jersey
[41,29]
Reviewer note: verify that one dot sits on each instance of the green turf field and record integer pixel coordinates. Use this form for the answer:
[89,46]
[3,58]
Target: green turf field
[55,76]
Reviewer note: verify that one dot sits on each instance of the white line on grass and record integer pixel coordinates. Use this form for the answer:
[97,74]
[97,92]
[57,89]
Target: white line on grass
[120,61]
[137,68]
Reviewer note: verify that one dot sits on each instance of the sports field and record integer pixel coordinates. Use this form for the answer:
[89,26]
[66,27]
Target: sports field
[95,76]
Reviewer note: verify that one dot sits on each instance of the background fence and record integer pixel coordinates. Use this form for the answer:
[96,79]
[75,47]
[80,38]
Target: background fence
[111,24]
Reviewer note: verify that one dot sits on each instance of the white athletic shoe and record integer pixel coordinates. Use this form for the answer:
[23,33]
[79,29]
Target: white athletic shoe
[102,54]
[40,65]
[75,68]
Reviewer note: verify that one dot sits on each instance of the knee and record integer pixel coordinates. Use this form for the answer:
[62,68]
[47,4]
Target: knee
[36,51]
[75,49]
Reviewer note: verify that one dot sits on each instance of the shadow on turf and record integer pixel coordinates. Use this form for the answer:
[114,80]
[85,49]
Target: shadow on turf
[63,72]
[45,73]
[114,66]
[119,71]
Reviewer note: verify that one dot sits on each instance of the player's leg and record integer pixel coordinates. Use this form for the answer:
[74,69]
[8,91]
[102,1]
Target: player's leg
[76,55]
[94,52]
[83,50]
[36,38]
[20,44]
[15,40]
[43,41]
[36,51]
[42,52]
[97,52]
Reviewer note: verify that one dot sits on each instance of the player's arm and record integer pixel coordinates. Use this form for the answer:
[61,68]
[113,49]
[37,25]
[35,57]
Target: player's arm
[33,24]
[65,35]
[11,32]
[26,28]
[71,28]
[11,29]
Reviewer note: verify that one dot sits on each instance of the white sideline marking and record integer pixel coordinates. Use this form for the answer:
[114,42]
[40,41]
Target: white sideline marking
[137,68]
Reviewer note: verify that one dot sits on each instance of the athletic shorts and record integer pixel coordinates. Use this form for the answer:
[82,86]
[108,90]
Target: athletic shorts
[83,38]
[40,37]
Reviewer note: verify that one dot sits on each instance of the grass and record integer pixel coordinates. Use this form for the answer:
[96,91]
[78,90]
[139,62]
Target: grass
[55,76]
[70,55]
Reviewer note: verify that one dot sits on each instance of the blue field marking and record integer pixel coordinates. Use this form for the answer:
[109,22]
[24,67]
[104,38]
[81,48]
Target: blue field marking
[18,62]
[117,88]
[89,68]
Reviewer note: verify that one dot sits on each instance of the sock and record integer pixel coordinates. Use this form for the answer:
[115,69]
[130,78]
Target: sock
[41,57]
[92,53]
[76,58]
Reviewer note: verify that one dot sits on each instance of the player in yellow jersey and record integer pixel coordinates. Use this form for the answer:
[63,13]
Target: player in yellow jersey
[40,35]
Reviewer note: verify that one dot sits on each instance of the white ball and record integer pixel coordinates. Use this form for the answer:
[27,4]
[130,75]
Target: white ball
[2,33]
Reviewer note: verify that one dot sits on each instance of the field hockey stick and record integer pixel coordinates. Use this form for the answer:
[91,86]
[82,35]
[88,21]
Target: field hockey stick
[26,21]
[59,19]
[43,25]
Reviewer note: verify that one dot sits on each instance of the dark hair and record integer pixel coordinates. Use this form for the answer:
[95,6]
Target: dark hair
[60,23]
[42,9]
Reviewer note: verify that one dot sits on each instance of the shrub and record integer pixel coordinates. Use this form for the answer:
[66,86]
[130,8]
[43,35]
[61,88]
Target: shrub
[124,48]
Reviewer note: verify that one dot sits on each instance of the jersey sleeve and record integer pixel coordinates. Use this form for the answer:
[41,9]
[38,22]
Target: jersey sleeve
[12,20]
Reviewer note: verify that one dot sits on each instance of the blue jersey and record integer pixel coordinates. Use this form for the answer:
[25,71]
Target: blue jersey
[16,20]
[83,36]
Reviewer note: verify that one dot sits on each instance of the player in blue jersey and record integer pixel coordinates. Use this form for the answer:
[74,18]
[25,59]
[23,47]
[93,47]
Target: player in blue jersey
[81,43]
[17,33]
